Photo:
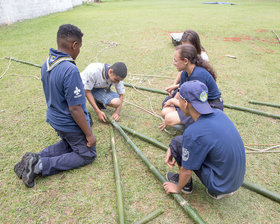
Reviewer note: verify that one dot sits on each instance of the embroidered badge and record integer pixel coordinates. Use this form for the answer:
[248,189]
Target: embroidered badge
[203,96]
[185,154]
[77,92]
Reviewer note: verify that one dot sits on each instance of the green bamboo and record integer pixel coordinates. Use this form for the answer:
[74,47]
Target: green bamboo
[147,89]
[151,216]
[259,112]
[146,138]
[118,180]
[182,202]
[262,191]
[264,103]
[23,62]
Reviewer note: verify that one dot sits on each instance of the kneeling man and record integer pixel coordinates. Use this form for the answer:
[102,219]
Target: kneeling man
[98,79]
[211,147]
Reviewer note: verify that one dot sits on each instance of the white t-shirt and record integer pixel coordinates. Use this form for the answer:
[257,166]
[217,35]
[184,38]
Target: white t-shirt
[204,56]
[93,77]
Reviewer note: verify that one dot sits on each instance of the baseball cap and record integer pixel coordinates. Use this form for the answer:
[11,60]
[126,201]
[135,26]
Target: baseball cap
[196,93]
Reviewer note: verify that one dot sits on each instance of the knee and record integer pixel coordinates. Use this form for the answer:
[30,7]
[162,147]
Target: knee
[169,120]
[115,102]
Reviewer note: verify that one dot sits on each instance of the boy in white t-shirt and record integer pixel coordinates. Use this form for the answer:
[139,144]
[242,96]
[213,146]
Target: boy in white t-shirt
[98,79]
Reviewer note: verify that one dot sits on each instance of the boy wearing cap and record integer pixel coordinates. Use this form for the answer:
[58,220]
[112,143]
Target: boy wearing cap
[211,147]
[98,79]
[66,113]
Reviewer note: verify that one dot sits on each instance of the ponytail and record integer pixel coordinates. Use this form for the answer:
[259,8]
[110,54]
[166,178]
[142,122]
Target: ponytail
[188,51]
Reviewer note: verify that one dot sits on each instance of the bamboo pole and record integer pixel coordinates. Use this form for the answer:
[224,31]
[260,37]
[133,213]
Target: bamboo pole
[262,191]
[23,62]
[250,186]
[259,112]
[150,217]
[182,202]
[118,180]
[146,138]
[264,103]
[147,89]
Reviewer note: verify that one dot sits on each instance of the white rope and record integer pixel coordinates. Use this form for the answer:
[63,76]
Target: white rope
[262,150]
[10,62]
[110,44]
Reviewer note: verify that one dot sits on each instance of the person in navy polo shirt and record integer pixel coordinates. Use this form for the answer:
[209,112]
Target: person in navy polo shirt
[66,113]
[211,147]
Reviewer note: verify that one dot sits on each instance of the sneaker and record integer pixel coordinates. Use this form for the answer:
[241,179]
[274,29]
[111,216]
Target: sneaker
[220,196]
[19,167]
[174,178]
[28,174]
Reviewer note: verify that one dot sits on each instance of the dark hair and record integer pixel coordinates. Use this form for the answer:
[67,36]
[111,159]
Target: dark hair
[188,51]
[67,31]
[192,37]
[119,69]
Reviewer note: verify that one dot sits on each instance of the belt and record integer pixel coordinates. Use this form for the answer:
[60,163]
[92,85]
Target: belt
[215,100]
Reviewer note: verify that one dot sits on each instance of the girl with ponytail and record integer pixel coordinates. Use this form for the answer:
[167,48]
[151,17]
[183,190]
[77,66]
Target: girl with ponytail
[193,67]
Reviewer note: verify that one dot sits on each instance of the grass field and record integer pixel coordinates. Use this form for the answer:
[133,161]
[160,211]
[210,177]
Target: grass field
[141,29]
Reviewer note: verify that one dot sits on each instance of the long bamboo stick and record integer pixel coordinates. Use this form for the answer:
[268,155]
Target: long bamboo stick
[182,202]
[246,109]
[250,186]
[150,217]
[147,89]
[165,93]
[264,103]
[23,62]
[262,191]
[259,112]
[118,180]
[144,137]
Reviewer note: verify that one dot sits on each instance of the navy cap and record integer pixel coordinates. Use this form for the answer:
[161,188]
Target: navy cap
[196,93]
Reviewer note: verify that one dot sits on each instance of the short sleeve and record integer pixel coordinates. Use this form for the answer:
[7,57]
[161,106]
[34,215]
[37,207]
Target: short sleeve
[73,87]
[120,88]
[193,153]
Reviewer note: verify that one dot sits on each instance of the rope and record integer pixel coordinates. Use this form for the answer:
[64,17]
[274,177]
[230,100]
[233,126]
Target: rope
[262,150]
[10,62]
[110,44]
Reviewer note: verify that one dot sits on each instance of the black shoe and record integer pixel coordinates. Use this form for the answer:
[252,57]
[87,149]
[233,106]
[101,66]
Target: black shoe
[19,167]
[174,178]
[100,105]
[28,174]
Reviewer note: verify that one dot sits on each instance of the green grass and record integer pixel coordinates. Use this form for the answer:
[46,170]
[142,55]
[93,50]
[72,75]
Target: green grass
[141,28]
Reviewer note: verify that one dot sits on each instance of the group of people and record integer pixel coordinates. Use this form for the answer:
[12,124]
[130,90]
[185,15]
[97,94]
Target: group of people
[210,146]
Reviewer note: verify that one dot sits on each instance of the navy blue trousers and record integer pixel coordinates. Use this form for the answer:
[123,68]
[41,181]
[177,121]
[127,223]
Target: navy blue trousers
[69,153]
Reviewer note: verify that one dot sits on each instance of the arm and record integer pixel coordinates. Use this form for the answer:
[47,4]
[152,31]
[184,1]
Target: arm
[175,84]
[177,80]
[80,118]
[116,115]
[184,178]
[173,101]
[101,115]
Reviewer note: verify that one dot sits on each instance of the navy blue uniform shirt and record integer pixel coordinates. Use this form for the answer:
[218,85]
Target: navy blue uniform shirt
[213,146]
[204,76]
[63,87]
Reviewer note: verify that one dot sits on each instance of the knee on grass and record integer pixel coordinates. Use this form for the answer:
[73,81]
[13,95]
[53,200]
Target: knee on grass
[115,102]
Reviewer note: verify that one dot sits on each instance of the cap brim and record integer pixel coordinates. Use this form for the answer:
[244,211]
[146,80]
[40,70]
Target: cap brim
[203,108]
